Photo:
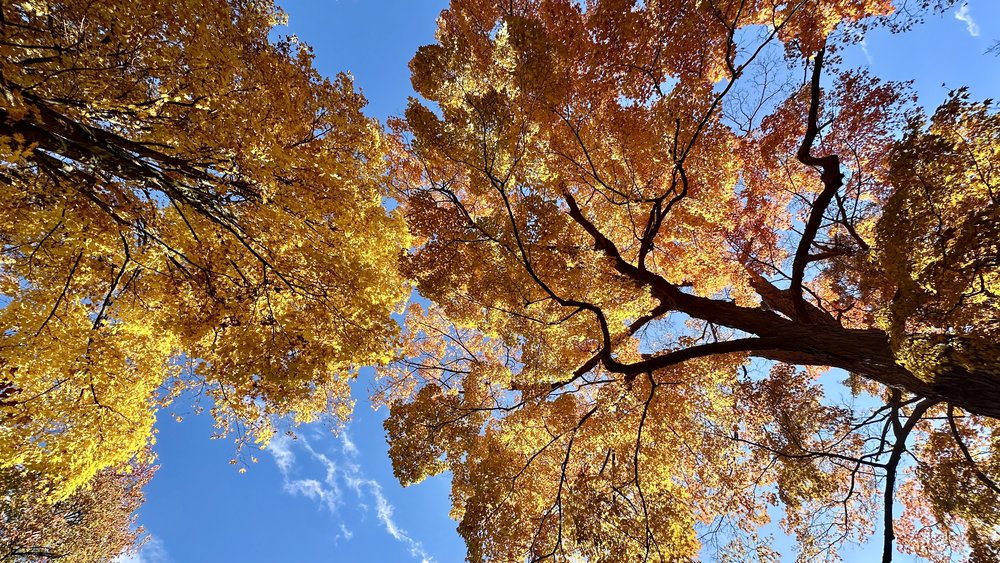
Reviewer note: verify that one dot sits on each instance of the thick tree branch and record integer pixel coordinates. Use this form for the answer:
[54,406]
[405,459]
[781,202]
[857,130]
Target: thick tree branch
[832,179]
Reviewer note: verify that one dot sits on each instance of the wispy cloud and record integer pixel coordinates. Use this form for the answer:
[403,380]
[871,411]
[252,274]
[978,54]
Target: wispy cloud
[384,510]
[864,49]
[313,489]
[963,15]
[281,448]
[153,551]
[326,493]
[344,470]
[348,447]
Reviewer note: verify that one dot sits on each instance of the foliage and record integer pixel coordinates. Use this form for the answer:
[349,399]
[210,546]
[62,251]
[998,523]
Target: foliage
[95,523]
[644,238]
[182,202]
[940,239]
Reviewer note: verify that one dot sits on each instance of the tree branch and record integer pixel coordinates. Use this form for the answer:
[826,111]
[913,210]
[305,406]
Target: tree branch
[901,432]
[832,179]
[968,456]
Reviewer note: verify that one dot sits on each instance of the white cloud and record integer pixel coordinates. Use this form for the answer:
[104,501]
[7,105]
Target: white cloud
[314,490]
[348,447]
[328,492]
[864,49]
[281,448]
[384,511]
[327,495]
[963,15]
[153,551]
[330,478]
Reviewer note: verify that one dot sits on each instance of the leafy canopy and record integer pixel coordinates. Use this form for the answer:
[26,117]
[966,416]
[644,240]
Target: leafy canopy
[642,233]
[645,236]
[95,523]
[184,204]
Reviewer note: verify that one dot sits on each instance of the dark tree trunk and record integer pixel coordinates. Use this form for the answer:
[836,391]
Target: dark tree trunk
[963,374]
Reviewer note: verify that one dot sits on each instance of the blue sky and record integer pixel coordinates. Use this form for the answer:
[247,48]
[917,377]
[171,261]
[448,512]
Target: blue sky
[334,499]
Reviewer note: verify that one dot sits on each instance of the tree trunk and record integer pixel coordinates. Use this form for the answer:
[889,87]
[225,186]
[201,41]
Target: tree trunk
[963,373]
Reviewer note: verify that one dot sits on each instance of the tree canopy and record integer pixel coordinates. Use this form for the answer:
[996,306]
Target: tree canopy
[95,523]
[642,233]
[646,230]
[183,204]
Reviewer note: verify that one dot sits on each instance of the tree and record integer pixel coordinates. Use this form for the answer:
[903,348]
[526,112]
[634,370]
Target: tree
[184,204]
[645,239]
[95,523]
